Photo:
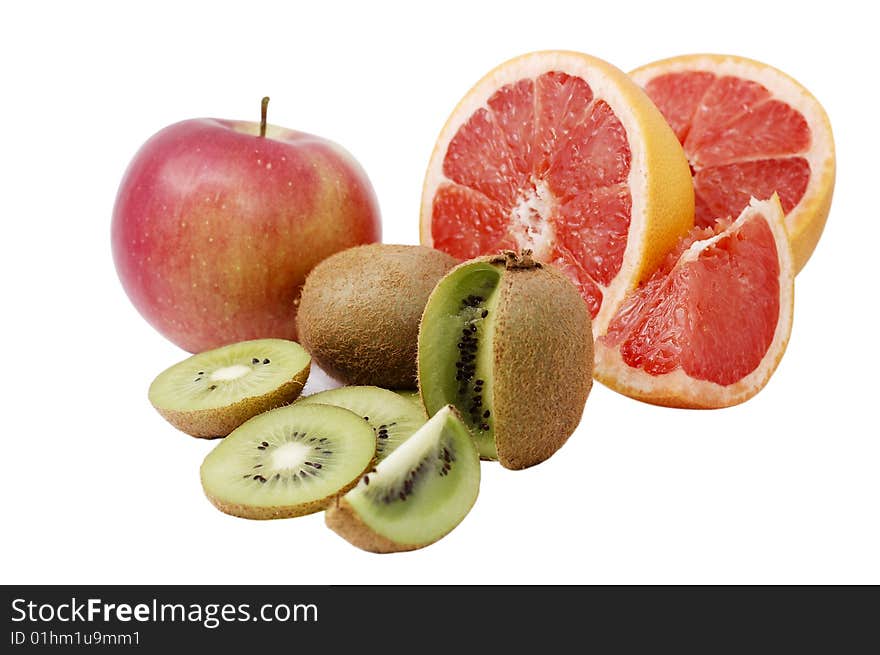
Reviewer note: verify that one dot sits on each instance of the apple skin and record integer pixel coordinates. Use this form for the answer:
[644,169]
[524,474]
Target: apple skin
[215,227]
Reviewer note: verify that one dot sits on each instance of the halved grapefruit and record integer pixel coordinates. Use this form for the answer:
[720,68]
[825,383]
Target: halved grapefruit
[562,154]
[748,130]
[709,327]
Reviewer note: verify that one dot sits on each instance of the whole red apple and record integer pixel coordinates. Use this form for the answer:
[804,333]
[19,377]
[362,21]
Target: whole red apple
[218,222]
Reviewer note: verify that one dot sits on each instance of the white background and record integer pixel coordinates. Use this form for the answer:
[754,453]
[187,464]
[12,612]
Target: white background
[97,488]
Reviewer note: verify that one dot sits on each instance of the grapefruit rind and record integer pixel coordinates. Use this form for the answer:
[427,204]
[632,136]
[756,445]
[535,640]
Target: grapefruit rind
[659,178]
[806,221]
[677,389]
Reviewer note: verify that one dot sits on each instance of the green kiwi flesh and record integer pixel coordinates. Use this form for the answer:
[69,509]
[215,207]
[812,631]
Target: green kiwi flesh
[394,419]
[455,349]
[288,462]
[212,393]
[415,496]
[412,396]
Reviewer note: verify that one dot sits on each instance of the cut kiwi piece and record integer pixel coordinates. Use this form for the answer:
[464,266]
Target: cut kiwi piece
[210,394]
[509,342]
[393,419]
[288,462]
[415,496]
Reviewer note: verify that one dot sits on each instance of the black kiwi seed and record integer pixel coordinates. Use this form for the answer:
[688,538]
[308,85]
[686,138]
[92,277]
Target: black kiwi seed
[264,443]
[487,414]
[367,479]
[265,361]
[255,361]
[212,387]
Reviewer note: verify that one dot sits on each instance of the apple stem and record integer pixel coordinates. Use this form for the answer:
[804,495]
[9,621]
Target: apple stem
[264,108]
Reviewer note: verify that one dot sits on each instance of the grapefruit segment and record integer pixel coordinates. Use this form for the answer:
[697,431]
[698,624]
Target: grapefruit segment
[478,158]
[562,104]
[513,107]
[748,130]
[680,95]
[721,187]
[594,154]
[596,224]
[471,221]
[709,327]
[561,154]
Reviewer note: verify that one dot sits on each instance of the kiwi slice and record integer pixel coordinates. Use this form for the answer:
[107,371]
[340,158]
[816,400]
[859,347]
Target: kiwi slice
[393,419]
[413,396]
[212,393]
[509,342]
[417,494]
[288,462]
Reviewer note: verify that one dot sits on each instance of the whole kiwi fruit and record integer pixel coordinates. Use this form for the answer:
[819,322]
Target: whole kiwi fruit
[508,342]
[359,312]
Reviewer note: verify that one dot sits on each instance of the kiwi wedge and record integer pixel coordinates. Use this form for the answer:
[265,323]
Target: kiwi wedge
[508,341]
[288,462]
[210,394]
[393,419]
[417,494]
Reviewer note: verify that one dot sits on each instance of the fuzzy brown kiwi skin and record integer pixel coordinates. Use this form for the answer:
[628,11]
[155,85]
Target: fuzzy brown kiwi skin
[344,521]
[283,511]
[359,312]
[543,362]
[219,422]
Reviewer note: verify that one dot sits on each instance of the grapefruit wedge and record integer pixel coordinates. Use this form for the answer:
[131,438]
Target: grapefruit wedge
[709,327]
[748,130]
[562,154]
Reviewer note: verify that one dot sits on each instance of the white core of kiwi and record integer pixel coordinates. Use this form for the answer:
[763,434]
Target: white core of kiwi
[231,372]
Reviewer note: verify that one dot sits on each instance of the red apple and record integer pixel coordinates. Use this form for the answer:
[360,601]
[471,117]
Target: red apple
[217,223]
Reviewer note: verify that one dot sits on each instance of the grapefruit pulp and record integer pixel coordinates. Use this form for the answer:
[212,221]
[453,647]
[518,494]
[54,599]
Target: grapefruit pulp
[562,154]
[709,327]
[748,130]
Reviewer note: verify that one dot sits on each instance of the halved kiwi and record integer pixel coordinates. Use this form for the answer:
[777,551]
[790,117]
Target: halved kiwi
[210,394]
[288,462]
[417,495]
[393,419]
[508,341]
